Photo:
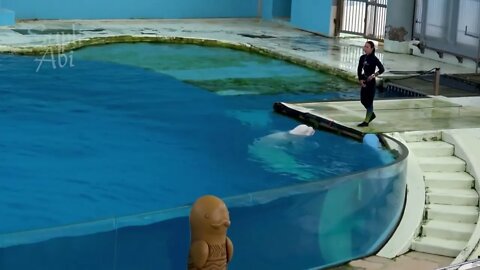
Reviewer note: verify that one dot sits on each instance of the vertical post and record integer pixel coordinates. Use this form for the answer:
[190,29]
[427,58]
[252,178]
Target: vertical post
[477,60]
[374,28]
[478,56]
[339,18]
[259,9]
[424,20]
[436,82]
[478,46]
[365,19]
[267,10]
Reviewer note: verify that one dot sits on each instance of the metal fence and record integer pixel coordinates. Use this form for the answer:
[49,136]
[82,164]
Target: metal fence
[449,26]
[364,17]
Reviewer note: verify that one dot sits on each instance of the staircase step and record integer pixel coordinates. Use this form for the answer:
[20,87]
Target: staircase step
[431,149]
[450,248]
[422,136]
[448,180]
[448,230]
[442,164]
[452,196]
[454,213]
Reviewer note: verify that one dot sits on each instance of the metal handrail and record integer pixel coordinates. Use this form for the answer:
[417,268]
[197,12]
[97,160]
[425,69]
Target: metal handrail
[468,265]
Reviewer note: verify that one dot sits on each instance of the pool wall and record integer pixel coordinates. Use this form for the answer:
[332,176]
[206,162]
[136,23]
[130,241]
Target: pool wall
[313,15]
[125,9]
[7,17]
[310,225]
[276,9]
[282,8]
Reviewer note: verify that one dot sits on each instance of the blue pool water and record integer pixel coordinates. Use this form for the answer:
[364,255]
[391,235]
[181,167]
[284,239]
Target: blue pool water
[304,227]
[107,139]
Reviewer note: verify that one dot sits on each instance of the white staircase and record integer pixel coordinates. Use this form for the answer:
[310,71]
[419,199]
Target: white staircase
[451,209]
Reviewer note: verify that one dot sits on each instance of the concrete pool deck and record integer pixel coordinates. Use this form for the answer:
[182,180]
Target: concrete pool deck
[338,56]
[335,55]
[394,115]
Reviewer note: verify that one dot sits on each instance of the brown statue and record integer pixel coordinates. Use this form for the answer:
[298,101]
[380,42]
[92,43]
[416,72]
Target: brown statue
[210,248]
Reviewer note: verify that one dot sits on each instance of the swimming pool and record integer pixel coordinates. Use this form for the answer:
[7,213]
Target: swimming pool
[145,127]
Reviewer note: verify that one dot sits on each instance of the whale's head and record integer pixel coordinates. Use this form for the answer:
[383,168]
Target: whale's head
[302,130]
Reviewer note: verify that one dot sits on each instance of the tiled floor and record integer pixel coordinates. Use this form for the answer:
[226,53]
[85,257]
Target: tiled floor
[397,115]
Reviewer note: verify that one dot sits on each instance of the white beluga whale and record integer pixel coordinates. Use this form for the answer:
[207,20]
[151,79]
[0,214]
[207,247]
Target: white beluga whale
[276,151]
[302,130]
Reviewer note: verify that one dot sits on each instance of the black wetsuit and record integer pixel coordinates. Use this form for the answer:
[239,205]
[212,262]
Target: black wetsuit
[368,64]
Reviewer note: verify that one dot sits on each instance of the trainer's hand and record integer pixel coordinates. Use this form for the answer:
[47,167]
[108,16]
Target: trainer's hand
[362,83]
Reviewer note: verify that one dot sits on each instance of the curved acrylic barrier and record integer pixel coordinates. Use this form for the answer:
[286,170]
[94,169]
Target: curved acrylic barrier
[311,225]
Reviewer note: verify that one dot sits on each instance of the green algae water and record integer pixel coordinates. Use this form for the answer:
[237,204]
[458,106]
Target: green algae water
[221,70]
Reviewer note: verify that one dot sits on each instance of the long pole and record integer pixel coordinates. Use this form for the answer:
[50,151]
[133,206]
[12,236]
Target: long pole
[259,9]
[339,18]
[478,46]
[478,56]
[436,83]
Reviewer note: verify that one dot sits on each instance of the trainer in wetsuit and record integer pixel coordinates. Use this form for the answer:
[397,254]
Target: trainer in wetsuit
[366,76]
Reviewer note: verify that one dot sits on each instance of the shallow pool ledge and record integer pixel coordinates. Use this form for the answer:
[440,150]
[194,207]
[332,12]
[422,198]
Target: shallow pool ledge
[74,43]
